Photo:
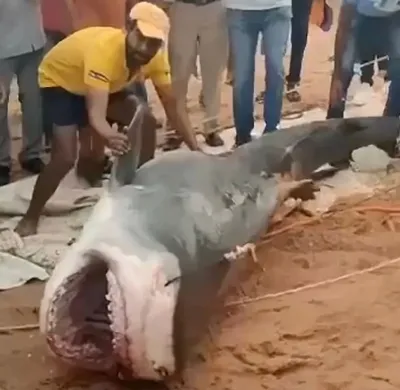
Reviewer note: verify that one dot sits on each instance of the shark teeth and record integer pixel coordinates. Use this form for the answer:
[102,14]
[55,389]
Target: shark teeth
[116,313]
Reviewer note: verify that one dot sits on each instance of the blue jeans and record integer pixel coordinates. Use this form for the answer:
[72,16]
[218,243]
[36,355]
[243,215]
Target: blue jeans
[301,10]
[244,29]
[389,27]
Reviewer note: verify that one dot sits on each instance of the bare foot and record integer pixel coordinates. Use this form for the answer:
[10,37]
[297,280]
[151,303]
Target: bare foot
[26,227]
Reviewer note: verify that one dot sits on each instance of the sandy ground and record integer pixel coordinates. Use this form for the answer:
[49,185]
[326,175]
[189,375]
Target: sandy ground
[342,335]
[337,336]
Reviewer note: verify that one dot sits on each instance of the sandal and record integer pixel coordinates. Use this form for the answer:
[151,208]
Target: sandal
[229,79]
[172,143]
[292,93]
[293,96]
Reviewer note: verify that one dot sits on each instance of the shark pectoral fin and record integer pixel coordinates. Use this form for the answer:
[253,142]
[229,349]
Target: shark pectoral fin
[302,189]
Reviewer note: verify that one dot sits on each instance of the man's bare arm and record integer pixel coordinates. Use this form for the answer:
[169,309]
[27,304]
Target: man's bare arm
[177,116]
[97,103]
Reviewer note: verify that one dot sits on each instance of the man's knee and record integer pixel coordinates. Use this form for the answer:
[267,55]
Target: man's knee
[64,151]
[66,159]
[275,71]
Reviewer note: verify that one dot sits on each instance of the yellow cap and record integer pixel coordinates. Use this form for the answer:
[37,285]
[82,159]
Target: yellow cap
[151,20]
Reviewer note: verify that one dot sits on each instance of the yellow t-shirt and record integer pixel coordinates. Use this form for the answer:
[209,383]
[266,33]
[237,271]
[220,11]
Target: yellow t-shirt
[95,57]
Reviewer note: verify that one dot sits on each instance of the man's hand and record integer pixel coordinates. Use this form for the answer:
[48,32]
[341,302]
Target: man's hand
[97,103]
[178,118]
[117,142]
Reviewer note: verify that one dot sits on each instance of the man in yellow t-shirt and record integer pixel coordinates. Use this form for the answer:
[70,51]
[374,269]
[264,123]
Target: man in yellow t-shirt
[85,72]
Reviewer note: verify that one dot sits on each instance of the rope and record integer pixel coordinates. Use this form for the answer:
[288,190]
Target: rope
[358,72]
[267,237]
[310,286]
[13,328]
[383,58]
[272,234]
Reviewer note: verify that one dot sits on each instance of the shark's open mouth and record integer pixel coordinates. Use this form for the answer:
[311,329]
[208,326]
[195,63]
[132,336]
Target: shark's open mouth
[113,314]
[86,322]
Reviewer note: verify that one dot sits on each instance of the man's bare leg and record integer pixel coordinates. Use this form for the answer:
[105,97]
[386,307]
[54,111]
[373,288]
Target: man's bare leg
[63,156]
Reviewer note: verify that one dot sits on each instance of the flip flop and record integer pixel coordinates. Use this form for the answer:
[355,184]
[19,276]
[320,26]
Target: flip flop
[172,143]
[260,98]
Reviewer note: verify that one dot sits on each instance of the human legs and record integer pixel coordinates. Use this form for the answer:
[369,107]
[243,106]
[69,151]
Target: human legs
[276,25]
[7,71]
[213,53]
[371,38]
[244,27]
[336,108]
[393,101]
[32,124]
[299,35]
[365,49]
[182,49]
[64,110]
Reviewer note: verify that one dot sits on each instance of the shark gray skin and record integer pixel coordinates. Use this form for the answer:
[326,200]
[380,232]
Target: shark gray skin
[138,288]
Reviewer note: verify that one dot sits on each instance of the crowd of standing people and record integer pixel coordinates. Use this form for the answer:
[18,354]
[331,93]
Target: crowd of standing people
[78,63]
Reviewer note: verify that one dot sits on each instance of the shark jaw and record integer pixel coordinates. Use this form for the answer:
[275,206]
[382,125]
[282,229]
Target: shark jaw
[107,311]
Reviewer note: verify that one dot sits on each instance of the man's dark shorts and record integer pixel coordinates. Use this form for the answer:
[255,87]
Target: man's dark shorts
[62,108]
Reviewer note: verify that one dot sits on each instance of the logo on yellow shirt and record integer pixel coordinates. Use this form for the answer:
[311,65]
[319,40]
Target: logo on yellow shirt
[98,76]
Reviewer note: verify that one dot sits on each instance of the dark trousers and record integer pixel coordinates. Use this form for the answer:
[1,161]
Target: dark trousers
[25,68]
[301,10]
[375,46]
